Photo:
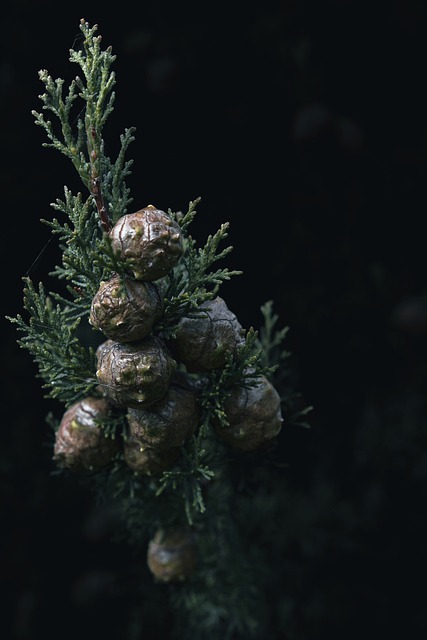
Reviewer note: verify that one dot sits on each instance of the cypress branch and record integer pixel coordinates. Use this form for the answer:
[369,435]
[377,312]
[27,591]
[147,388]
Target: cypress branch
[199,488]
[192,281]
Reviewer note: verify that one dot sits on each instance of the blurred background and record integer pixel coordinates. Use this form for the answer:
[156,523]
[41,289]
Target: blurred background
[303,124]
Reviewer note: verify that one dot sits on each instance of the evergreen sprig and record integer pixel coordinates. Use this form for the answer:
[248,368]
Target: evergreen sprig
[272,354]
[243,370]
[193,281]
[87,256]
[92,97]
[66,366]
[270,339]
[191,476]
[224,598]
[80,243]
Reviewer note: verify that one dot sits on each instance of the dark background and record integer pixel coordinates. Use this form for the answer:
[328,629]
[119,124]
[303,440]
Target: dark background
[303,124]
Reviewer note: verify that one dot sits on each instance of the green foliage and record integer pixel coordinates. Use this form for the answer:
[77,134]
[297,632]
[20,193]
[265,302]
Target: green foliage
[191,476]
[234,608]
[243,370]
[192,281]
[64,363]
[82,248]
[270,338]
[272,354]
[92,99]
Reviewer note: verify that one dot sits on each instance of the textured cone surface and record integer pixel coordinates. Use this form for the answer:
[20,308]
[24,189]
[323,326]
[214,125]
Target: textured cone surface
[134,374]
[126,310]
[171,555]
[80,443]
[203,340]
[168,422]
[148,461]
[149,240]
[254,416]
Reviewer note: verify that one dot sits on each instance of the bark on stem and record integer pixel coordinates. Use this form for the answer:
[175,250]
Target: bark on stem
[95,183]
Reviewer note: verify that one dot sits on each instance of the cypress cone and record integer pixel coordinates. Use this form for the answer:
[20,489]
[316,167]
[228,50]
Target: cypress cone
[134,374]
[145,460]
[203,340]
[168,422]
[172,554]
[125,309]
[150,242]
[80,443]
[254,416]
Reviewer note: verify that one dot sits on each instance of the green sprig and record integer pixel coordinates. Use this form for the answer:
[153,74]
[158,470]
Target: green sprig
[93,99]
[66,366]
[272,354]
[193,281]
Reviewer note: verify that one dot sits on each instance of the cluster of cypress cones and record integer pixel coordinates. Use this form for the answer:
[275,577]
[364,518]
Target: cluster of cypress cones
[150,377]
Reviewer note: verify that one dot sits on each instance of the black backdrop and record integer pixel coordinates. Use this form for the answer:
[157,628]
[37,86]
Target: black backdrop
[302,124]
